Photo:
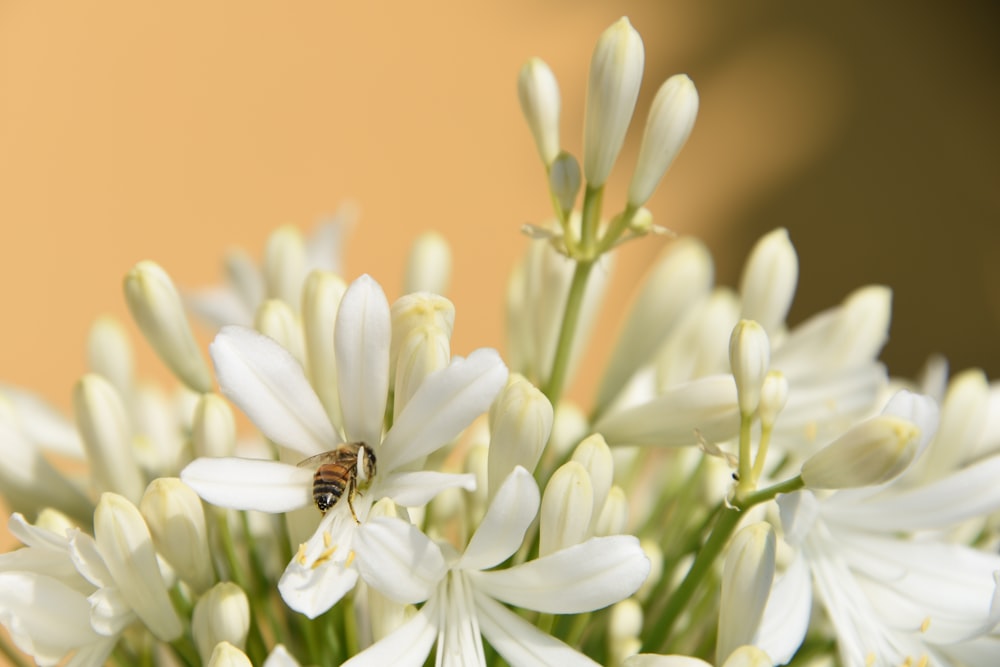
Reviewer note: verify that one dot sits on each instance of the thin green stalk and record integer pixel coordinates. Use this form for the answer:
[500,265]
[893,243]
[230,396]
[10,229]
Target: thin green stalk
[590,221]
[758,464]
[186,651]
[745,484]
[616,229]
[571,316]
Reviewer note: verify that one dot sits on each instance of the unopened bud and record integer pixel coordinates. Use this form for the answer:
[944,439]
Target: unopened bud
[613,518]
[221,615]
[226,655]
[109,353]
[595,456]
[520,424]
[428,268]
[564,180]
[612,89]
[624,627]
[538,92]
[321,297]
[127,548]
[276,319]
[567,508]
[773,396]
[107,437]
[671,118]
[770,276]
[176,521]
[423,351]
[749,357]
[746,585]
[213,433]
[157,308]
[872,452]
[285,265]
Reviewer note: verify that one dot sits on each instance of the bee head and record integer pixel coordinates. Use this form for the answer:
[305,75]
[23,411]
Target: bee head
[366,464]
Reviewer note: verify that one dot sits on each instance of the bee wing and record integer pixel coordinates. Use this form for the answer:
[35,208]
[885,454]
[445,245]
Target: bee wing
[317,460]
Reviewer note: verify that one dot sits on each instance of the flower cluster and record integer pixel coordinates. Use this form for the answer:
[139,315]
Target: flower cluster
[742,492]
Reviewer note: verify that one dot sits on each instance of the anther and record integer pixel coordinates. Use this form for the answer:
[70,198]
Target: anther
[350,559]
[926,624]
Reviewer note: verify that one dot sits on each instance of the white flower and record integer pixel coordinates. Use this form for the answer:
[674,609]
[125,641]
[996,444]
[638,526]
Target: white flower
[270,387]
[464,594]
[237,301]
[890,596]
[745,656]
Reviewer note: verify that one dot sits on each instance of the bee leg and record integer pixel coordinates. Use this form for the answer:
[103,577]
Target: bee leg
[350,501]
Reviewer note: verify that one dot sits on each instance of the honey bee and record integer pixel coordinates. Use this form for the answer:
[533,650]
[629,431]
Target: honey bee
[338,471]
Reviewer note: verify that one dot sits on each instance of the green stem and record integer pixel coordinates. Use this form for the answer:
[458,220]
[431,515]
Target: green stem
[186,651]
[571,317]
[726,523]
[746,483]
[758,464]
[616,229]
[589,221]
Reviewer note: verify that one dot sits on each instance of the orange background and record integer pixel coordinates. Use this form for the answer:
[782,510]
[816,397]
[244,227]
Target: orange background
[172,131]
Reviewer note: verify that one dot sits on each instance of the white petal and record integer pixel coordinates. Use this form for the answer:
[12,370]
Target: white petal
[280,657]
[408,646]
[502,529]
[250,484]
[398,560]
[325,567]
[584,577]
[110,612]
[519,642]
[446,402]
[218,306]
[363,336]
[786,616]
[706,405]
[268,384]
[43,424]
[413,489]
[654,660]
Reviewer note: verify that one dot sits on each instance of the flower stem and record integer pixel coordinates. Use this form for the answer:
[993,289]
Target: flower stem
[589,221]
[571,316]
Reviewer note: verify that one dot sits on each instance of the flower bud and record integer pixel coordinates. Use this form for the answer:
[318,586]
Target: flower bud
[127,548]
[428,268]
[595,456]
[699,346]
[654,553]
[285,265]
[873,452]
[213,433]
[157,308]
[748,656]
[613,517]
[569,427]
[176,521]
[419,310]
[749,357]
[624,627]
[567,508]
[746,585]
[107,437]
[671,118]
[246,280]
[520,424]
[276,319]
[321,297]
[773,396]
[769,278]
[612,89]
[226,655]
[109,353]
[564,180]
[221,615]
[423,351]
[538,92]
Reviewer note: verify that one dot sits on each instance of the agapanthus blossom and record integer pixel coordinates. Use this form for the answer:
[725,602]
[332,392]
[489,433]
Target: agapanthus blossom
[269,385]
[463,593]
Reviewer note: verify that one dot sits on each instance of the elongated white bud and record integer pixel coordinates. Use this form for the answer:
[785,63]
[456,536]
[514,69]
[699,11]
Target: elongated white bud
[538,92]
[176,520]
[773,396]
[321,297]
[770,276]
[749,357]
[107,437]
[285,265]
[226,655]
[417,310]
[213,433]
[564,180]
[671,118]
[612,89]
[157,308]
[109,353]
[613,517]
[595,456]
[276,319]
[428,267]
[520,424]
[746,585]
[423,351]
[872,452]
[221,615]
[624,627]
[567,509]
[127,548]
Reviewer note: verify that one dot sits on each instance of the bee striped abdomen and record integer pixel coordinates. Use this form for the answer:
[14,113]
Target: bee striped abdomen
[329,483]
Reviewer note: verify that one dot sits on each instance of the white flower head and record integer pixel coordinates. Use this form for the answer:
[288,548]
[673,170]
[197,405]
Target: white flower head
[268,384]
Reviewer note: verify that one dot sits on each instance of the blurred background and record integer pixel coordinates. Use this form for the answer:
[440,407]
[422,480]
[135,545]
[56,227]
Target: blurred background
[173,131]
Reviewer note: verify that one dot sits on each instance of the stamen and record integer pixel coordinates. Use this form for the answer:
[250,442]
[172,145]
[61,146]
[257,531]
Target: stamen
[324,557]
[812,430]
[301,554]
[350,559]
[327,539]
[870,660]
[923,662]
[926,624]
